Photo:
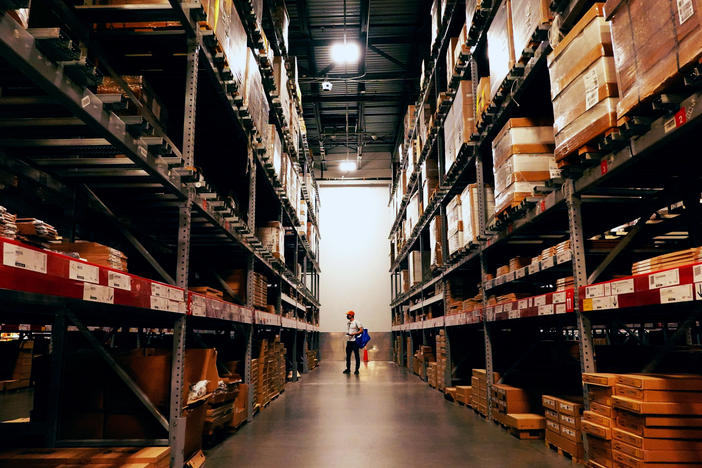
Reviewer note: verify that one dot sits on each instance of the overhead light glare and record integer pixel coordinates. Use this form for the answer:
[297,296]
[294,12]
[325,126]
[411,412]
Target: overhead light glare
[347,166]
[345,52]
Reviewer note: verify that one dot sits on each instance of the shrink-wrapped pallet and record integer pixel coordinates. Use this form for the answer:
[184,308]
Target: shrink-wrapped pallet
[521,136]
[430,179]
[500,46]
[472,7]
[459,124]
[435,241]
[529,15]
[418,264]
[470,212]
[274,150]
[254,95]
[583,92]
[454,224]
[653,41]
[524,168]
[423,128]
[280,76]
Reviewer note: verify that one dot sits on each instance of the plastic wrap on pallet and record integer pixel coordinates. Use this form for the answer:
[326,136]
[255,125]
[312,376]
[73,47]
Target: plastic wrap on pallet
[589,40]
[500,46]
[272,236]
[413,210]
[435,242]
[410,117]
[254,94]
[430,179]
[470,213]
[281,18]
[274,151]
[514,194]
[280,75]
[471,8]
[654,40]
[235,48]
[597,83]
[423,127]
[454,215]
[521,136]
[459,124]
[418,264]
[530,14]
[588,126]
[524,168]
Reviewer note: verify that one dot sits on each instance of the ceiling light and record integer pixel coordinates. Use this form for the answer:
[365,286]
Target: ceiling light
[327,85]
[345,52]
[347,166]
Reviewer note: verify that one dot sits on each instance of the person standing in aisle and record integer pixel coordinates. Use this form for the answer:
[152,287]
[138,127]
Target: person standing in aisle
[353,329]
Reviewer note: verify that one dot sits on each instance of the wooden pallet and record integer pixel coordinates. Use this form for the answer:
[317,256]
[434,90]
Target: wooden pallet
[574,459]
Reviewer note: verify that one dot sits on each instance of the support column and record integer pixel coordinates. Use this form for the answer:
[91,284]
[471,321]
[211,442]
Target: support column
[176,420]
[250,268]
[58,339]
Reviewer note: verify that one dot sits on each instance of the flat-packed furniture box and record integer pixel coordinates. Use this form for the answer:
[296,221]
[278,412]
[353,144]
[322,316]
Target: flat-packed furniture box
[423,127]
[530,15]
[435,242]
[418,265]
[459,124]
[94,253]
[500,46]
[654,41]
[583,84]
[453,55]
[280,76]
[470,213]
[522,160]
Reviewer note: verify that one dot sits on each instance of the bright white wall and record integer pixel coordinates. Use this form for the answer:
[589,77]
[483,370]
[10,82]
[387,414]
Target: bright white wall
[354,253]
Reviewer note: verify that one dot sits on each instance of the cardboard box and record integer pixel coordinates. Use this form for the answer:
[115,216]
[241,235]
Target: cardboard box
[459,124]
[430,179]
[418,265]
[596,430]
[522,136]
[530,15]
[599,450]
[679,382]
[603,380]
[653,41]
[654,407]
[435,241]
[639,424]
[657,395]
[500,46]
[598,419]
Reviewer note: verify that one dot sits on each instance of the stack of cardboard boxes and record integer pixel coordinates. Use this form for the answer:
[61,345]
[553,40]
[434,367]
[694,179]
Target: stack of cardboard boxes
[480,390]
[584,89]
[522,159]
[272,236]
[269,375]
[464,394]
[564,424]
[500,46]
[598,420]
[512,407]
[441,359]
[94,253]
[418,265]
[435,242]
[459,124]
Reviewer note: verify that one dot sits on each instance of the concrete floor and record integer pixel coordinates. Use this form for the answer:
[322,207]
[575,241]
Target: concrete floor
[382,418]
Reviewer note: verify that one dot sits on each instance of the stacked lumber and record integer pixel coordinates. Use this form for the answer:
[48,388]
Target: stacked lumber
[94,252]
[8,224]
[671,260]
[552,251]
[475,302]
[208,291]
[564,425]
[565,283]
[516,263]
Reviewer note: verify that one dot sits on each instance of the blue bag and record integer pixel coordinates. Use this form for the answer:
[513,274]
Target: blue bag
[363,339]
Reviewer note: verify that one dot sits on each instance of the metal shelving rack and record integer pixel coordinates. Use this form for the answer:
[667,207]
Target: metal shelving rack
[622,183]
[153,182]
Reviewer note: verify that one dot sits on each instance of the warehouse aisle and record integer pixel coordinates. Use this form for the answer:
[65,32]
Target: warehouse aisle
[382,418]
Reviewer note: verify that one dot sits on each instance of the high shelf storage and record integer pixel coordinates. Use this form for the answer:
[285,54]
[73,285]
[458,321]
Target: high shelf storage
[145,126]
[541,287]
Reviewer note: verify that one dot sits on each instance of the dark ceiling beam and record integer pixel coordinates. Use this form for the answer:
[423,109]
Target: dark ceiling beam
[353,98]
[378,41]
[387,56]
[304,15]
[363,35]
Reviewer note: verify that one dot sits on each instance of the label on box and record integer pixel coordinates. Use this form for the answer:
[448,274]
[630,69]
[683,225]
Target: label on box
[697,271]
[83,272]
[523,304]
[159,290]
[663,279]
[499,309]
[685,10]
[623,287]
[598,290]
[540,300]
[561,309]
[175,294]
[546,309]
[698,291]
[521,273]
[548,263]
[26,259]
[119,281]
[509,276]
[568,419]
[554,426]
[176,306]
[97,293]
[592,86]
[682,293]
[559,297]
[563,257]
[534,268]
[198,306]
[513,314]
[604,303]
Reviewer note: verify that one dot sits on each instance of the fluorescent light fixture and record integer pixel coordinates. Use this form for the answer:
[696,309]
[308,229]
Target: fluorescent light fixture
[345,52]
[347,166]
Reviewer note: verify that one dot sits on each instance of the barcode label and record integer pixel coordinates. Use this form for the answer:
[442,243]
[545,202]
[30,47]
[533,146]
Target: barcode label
[97,293]
[604,303]
[521,273]
[623,287]
[663,279]
[559,297]
[561,309]
[546,309]
[548,263]
[534,268]
[83,272]
[685,10]
[540,300]
[697,271]
[592,95]
[564,257]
